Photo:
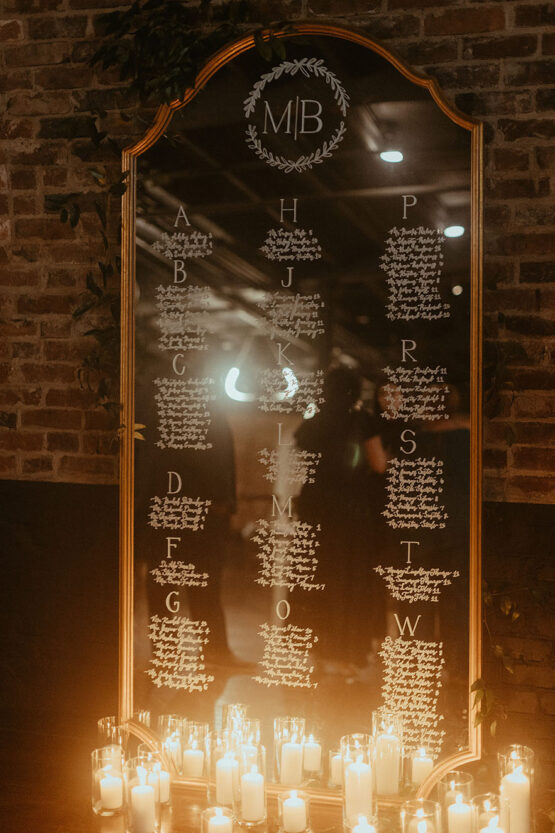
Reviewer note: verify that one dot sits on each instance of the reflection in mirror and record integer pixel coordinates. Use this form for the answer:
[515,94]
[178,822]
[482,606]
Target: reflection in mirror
[303,373]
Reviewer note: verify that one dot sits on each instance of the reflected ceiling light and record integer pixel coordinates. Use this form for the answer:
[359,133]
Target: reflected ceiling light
[391,156]
[292,385]
[231,390]
[454,231]
[457,289]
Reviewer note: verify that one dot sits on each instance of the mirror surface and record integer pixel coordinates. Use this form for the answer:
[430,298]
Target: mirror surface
[303,373]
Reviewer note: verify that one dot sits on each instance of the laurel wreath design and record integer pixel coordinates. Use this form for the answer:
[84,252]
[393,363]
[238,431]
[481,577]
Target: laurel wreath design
[306,66]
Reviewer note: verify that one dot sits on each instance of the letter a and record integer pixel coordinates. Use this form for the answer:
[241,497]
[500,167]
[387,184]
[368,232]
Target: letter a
[181,215]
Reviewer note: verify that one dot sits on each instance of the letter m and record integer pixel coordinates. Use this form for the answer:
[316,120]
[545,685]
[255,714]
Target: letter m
[285,115]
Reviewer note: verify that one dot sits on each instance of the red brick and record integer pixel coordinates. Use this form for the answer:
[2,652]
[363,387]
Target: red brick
[87,465]
[547,702]
[530,650]
[538,459]
[464,21]
[55,328]
[11,30]
[50,28]
[514,129]
[17,128]
[467,76]
[24,204]
[61,78]
[54,177]
[518,46]
[537,272]
[23,179]
[62,441]
[70,398]
[521,432]
[535,215]
[19,277]
[510,299]
[69,127]
[48,228]
[36,54]
[510,160]
[519,701]
[527,73]
[44,153]
[541,378]
[34,465]
[66,350]
[39,104]
[32,6]
[100,443]
[531,489]
[15,80]
[545,99]
[394,26]
[534,676]
[46,304]
[61,277]
[52,418]
[60,373]
[25,349]
[99,419]
[527,244]
[430,52]
[494,458]
[7,464]
[537,406]
[548,44]
[20,440]
[495,103]
[536,15]
[17,327]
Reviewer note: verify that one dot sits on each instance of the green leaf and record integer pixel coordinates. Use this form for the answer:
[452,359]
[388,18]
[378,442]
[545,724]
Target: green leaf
[64,215]
[74,214]
[99,208]
[493,728]
[262,46]
[93,287]
[476,685]
[118,189]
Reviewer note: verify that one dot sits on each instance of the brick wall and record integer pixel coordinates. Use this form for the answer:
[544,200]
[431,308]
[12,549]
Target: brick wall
[494,59]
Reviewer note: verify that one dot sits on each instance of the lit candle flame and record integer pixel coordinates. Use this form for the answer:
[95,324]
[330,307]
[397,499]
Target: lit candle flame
[293,793]
[459,799]
[422,827]
[493,822]
[219,812]
[487,804]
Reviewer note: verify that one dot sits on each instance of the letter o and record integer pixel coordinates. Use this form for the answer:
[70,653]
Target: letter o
[283,609]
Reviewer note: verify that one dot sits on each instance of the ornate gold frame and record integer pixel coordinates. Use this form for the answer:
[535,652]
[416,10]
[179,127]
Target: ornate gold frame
[162,120]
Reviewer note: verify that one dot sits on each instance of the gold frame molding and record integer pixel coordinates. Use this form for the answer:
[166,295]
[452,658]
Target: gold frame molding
[126,503]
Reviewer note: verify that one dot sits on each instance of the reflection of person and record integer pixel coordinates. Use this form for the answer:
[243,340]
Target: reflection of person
[338,502]
[214,478]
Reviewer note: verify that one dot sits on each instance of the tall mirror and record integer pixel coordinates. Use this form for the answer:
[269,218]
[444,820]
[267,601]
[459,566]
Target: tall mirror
[300,496]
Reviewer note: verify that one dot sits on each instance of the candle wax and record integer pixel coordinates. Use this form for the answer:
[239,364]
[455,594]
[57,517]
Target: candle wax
[143,809]
[388,758]
[164,786]
[220,824]
[252,796]
[515,790]
[358,791]
[312,756]
[291,770]
[227,772]
[459,817]
[294,814]
[421,768]
[193,763]
[111,792]
[336,774]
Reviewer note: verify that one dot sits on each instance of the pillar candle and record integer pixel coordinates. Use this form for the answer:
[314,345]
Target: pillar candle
[291,770]
[421,767]
[227,771]
[143,808]
[111,791]
[459,817]
[164,786]
[294,814]
[336,774]
[388,757]
[252,795]
[492,826]
[515,790]
[363,826]
[219,823]
[312,755]
[193,763]
[358,790]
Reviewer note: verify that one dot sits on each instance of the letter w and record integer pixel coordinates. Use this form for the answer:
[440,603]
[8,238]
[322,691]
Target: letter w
[407,624]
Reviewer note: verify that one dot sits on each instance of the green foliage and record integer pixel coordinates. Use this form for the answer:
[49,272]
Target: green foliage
[158,46]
